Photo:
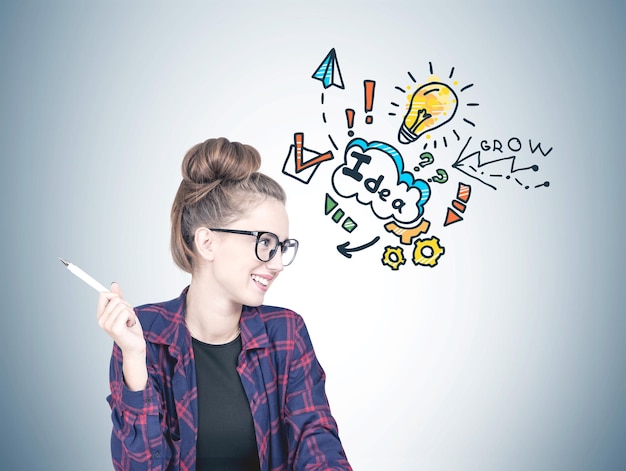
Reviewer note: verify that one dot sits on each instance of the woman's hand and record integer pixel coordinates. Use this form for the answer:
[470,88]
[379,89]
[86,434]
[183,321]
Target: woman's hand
[118,319]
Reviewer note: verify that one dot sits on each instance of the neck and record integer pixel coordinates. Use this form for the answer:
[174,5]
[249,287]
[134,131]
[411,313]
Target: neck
[209,318]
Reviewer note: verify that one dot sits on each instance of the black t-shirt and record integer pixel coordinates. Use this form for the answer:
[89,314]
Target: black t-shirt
[226,440]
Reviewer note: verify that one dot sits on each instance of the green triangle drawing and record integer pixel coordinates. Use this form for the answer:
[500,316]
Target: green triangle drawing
[330,204]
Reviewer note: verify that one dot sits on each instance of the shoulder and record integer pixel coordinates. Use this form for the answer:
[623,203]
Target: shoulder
[279,318]
[271,323]
[156,317]
[159,308]
[277,314]
[282,326]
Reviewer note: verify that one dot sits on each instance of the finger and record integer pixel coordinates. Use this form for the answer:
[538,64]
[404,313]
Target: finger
[132,320]
[104,299]
[116,318]
[106,318]
[114,305]
[117,289]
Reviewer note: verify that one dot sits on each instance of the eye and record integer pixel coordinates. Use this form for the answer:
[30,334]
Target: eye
[265,241]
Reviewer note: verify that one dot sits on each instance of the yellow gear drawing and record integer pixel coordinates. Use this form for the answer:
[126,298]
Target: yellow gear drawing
[393,257]
[430,256]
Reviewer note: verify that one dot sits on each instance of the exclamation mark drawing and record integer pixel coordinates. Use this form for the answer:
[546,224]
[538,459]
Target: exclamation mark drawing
[348,224]
[369,99]
[350,119]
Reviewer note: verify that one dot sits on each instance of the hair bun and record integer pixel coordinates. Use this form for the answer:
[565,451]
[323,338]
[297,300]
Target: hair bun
[221,182]
[219,160]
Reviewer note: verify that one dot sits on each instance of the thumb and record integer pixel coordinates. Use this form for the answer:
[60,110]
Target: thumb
[117,289]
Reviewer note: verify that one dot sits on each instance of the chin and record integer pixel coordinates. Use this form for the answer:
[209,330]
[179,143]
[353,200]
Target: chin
[253,301]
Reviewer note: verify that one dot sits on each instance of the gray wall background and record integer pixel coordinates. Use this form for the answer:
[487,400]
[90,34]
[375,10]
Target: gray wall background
[509,355]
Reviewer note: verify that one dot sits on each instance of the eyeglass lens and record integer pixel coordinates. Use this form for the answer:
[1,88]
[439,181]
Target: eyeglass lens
[267,244]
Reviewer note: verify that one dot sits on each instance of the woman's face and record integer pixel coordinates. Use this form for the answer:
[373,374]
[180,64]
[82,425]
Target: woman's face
[241,277]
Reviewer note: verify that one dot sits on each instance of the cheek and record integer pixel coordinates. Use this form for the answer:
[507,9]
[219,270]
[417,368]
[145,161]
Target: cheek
[237,260]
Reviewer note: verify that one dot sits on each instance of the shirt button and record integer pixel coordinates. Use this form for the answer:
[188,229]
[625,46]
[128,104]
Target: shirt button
[156,455]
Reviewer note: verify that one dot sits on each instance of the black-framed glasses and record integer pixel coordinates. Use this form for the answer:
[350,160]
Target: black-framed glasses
[267,245]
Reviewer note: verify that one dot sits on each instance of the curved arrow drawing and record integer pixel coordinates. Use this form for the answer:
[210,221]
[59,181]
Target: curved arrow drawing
[347,252]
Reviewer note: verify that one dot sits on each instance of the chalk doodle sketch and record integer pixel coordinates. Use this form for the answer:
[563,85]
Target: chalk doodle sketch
[395,177]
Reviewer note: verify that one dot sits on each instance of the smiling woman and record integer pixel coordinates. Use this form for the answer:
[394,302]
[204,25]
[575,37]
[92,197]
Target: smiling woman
[215,379]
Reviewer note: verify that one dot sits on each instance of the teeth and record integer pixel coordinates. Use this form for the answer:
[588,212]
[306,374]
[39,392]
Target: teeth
[258,279]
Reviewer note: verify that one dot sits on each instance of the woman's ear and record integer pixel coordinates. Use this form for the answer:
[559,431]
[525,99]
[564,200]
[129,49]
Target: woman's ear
[204,242]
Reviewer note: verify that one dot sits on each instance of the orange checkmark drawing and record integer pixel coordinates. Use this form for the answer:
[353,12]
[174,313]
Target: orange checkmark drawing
[301,164]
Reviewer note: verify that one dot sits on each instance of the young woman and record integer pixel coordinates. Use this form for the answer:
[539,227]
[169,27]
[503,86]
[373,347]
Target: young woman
[215,379]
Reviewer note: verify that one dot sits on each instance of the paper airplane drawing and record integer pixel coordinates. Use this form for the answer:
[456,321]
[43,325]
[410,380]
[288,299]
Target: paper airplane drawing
[328,71]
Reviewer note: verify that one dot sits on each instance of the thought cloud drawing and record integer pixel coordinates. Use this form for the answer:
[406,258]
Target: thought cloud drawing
[374,174]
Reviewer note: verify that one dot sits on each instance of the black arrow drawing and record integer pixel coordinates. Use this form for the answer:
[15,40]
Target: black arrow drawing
[347,252]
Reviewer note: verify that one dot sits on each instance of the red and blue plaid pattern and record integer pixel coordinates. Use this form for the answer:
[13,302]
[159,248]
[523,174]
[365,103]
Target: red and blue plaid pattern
[156,429]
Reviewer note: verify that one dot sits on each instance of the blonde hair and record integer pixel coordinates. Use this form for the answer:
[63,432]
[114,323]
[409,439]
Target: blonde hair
[220,183]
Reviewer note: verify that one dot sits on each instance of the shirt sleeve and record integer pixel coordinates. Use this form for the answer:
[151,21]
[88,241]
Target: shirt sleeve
[137,440]
[312,432]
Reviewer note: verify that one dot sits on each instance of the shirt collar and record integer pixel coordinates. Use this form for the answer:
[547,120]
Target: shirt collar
[253,330]
[169,328]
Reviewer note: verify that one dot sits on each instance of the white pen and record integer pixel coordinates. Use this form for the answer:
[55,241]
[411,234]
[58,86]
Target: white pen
[84,276]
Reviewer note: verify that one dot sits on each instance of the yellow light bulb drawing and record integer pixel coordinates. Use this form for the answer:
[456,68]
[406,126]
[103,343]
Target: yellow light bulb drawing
[432,105]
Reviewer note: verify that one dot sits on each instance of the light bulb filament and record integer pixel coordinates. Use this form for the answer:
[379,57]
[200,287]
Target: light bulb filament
[422,115]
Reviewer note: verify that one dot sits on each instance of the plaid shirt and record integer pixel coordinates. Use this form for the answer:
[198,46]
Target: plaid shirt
[156,429]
